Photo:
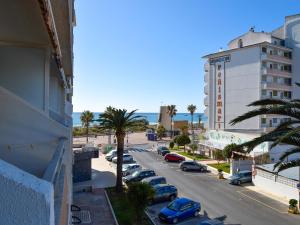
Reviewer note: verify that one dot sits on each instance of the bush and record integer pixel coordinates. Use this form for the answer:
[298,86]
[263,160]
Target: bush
[227,151]
[171,145]
[160,131]
[139,195]
[293,203]
[220,170]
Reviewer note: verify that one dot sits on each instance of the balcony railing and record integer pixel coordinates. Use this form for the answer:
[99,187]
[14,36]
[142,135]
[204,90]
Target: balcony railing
[206,89]
[274,72]
[206,77]
[206,67]
[276,58]
[276,86]
[206,101]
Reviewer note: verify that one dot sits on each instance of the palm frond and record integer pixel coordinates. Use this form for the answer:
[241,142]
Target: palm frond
[287,165]
[270,101]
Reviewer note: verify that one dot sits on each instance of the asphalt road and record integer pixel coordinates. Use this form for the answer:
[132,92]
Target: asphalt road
[218,198]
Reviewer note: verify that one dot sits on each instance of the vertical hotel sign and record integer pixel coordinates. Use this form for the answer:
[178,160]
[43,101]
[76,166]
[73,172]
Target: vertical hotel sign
[219,89]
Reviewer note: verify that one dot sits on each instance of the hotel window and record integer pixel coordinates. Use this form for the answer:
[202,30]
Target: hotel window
[264,49]
[288,81]
[275,93]
[275,52]
[263,120]
[263,92]
[275,79]
[263,78]
[274,120]
[275,66]
[240,43]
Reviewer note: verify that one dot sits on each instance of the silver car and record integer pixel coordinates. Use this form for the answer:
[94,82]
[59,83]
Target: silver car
[126,158]
[130,169]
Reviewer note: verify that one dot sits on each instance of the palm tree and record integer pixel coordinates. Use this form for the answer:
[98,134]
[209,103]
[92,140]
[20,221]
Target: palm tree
[119,120]
[192,108]
[286,133]
[86,118]
[172,112]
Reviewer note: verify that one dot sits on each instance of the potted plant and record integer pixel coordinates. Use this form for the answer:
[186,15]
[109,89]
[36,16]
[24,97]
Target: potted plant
[220,174]
[293,206]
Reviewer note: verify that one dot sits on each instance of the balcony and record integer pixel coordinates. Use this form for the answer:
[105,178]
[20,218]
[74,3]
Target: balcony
[206,76]
[276,86]
[206,67]
[275,58]
[68,108]
[274,72]
[206,112]
[206,89]
[206,101]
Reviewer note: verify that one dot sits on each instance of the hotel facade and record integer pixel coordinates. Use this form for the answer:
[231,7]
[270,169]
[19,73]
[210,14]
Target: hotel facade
[36,86]
[257,65]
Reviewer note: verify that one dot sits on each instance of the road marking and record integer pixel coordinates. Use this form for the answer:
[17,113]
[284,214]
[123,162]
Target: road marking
[254,199]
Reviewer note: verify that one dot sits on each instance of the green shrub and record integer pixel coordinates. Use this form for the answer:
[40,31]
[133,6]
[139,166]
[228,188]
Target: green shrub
[293,202]
[171,145]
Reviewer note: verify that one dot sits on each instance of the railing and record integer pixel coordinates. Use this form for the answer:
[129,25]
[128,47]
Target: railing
[54,166]
[206,67]
[206,101]
[57,117]
[276,86]
[206,89]
[276,72]
[277,178]
[277,58]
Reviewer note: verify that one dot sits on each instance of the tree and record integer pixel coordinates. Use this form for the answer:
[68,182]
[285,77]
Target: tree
[192,108]
[182,140]
[199,121]
[140,194]
[218,155]
[160,131]
[119,120]
[287,132]
[86,118]
[184,130]
[172,112]
[229,149]
[194,147]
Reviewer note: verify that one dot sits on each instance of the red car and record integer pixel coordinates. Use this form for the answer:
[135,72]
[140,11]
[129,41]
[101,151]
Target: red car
[171,157]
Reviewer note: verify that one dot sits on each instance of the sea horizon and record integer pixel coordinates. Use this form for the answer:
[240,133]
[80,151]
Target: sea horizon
[152,117]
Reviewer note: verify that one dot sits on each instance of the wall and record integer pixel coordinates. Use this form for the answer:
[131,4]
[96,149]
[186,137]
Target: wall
[165,118]
[276,188]
[240,165]
[28,200]
[250,38]
[23,72]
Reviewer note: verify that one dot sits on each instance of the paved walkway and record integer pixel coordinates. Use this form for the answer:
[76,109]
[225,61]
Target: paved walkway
[95,203]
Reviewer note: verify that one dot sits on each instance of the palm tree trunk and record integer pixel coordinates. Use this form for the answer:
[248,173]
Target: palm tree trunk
[192,128]
[120,151]
[87,134]
[171,127]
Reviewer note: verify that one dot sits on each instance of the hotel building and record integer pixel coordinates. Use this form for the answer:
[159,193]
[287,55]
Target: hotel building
[257,65]
[36,78]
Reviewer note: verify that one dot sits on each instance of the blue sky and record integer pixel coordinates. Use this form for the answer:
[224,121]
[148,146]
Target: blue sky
[139,54]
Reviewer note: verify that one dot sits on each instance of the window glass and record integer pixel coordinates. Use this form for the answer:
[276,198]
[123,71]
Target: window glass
[263,120]
[275,93]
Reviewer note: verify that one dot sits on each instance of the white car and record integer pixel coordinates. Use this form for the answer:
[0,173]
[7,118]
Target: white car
[126,158]
[130,169]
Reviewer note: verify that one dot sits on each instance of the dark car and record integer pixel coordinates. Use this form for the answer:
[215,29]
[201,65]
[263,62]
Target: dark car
[241,177]
[192,165]
[161,148]
[152,181]
[179,209]
[171,157]
[139,175]
[164,192]
[164,152]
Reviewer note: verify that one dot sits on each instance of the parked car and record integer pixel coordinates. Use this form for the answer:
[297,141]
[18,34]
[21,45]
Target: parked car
[109,156]
[113,153]
[130,168]
[179,209]
[244,176]
[211,222]
[126,158]
[152,181]
[139,175]
[172,157]
[164,192]
[164,152]
[192,165]
[161,148]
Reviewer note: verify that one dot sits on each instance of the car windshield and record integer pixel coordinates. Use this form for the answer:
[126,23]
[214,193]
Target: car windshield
[135,173]
[174,206]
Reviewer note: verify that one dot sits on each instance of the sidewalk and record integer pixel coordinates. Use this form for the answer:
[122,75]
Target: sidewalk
[95,208]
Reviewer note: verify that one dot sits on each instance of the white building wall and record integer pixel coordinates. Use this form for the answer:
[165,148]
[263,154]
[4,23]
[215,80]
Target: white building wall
[242,86]
[25,199]
[250,38]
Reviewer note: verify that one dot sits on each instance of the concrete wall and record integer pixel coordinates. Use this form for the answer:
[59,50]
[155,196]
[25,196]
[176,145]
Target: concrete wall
[240,165]
[23,73]
[250,38]
[28,200]
[276,188]
[165,118]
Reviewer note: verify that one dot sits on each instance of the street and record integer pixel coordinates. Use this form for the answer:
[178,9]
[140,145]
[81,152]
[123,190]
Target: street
[218,198]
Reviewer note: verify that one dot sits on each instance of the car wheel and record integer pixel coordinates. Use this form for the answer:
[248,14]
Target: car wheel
[201,169]
[175,220]
[172,197]
[196,213]
[238,182]
[167,160]
[184,168]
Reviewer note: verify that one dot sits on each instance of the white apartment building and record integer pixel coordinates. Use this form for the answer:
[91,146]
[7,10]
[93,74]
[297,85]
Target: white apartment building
[257,65]
[36,77]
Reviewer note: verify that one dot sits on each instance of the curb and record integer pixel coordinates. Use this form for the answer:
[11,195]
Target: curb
[149,217]
[111,208]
